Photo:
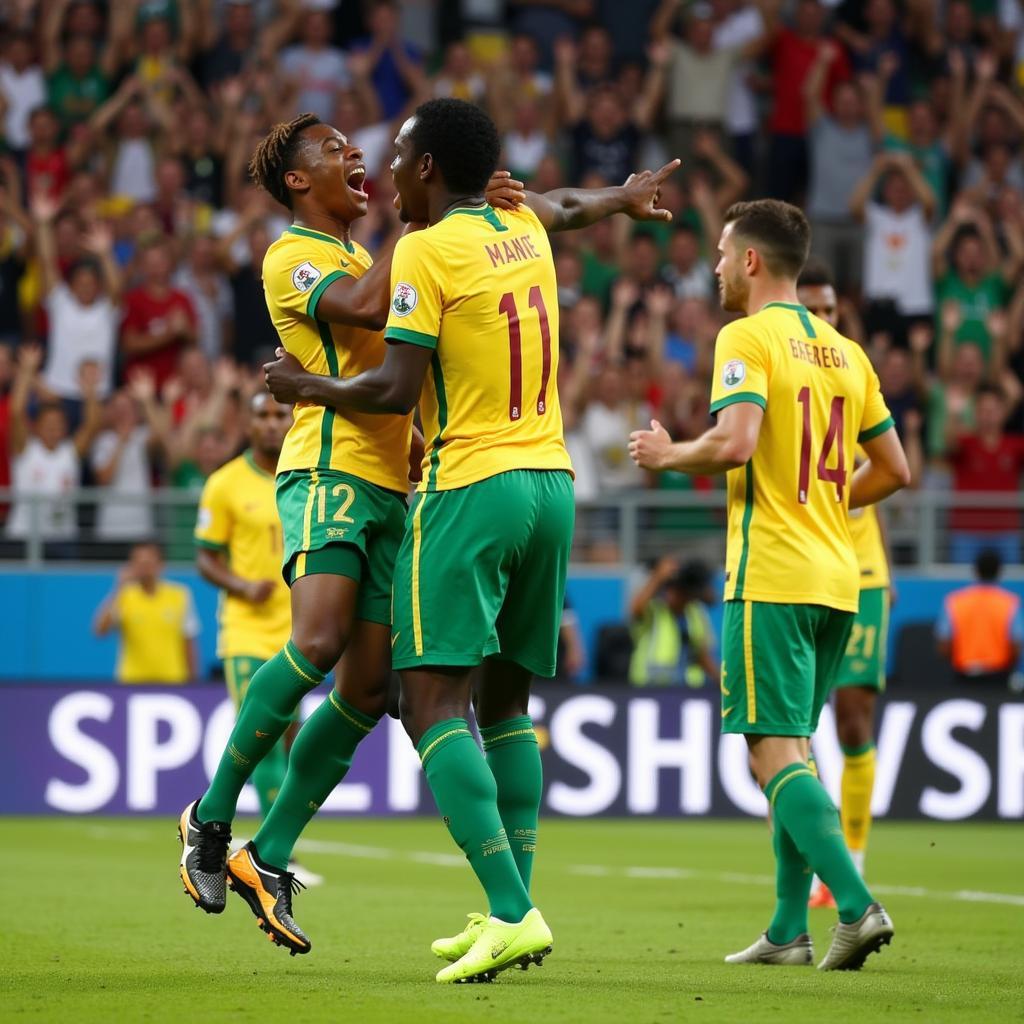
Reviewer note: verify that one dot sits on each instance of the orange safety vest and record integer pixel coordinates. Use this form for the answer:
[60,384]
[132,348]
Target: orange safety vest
[981,617]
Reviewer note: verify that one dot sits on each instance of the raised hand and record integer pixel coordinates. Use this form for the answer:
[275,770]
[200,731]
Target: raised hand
[504,192]
[30,358]
[658,301]
[142,386]
[643,193]
[44,207]
[625,293]
[98,239]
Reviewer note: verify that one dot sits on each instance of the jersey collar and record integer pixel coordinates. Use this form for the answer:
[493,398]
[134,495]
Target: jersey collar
[785,305]
[323,236]
[248,456]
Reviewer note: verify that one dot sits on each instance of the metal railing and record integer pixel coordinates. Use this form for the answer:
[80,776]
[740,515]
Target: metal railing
[626,529]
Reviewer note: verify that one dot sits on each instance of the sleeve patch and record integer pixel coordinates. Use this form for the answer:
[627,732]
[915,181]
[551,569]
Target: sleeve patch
[404,300]
[305,276]
[734,373]
[204,520]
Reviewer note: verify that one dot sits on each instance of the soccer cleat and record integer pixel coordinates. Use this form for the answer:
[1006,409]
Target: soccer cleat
[458,946]
[853,943]
[822,898]
[203,856]
[268,891]
[308,879]
[798,953]
[498,946]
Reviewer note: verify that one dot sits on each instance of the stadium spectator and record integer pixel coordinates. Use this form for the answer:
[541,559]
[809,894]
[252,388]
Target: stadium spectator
[201,279]
[45,458]
[395,65]
[23,87]
[986,460]
[159,320]
[981,629]
[156,621]
[313,68]
[673,639]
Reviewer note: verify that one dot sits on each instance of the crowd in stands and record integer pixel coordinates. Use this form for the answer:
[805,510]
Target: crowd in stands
[132,321]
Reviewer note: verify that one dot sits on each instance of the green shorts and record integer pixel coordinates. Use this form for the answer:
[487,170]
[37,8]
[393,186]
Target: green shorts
[864,660]
[779,662]
[340,524]
[481,571]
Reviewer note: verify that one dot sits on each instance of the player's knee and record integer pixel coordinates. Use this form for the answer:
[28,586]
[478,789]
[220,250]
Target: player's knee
[321,647]
[854,731]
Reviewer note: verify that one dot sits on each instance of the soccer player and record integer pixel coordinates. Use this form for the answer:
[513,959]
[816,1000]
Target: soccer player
[793,398]
[861,675]
[480,576]
[342,480]
[238,541]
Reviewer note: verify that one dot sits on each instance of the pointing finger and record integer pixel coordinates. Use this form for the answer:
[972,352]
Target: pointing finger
[664,172]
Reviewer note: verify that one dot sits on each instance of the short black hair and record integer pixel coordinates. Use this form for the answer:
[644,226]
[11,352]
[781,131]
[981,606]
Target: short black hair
[815,275]
[463,141]
[778,230]
[988,565]
[992,390]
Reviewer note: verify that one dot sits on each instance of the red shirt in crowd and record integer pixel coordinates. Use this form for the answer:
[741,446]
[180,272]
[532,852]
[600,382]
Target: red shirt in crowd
[146,314]
[792,57]
[981,467]
[48,174]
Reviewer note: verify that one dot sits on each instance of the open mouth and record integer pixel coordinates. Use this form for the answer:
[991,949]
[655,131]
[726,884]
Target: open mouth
[355,181]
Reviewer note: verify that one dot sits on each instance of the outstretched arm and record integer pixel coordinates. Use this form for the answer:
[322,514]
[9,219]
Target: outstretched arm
[566,209]
[393,387]
[730,443]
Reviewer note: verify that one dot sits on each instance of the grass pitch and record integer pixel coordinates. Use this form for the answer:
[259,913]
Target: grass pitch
[98,928]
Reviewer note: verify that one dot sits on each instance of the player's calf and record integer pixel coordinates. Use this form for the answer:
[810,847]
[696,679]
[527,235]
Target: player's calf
[268,892]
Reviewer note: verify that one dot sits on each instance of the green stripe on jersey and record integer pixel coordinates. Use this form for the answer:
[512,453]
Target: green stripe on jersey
[420,338]
[442,423]
[748,511]
[327,421]
[317,292]
[881,428]
[740,396]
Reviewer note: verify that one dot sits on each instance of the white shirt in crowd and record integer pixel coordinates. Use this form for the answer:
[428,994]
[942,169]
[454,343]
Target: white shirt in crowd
[318,74]
[133,174]
[734,32]
[79,334]
[605,431]
[897,258]
[38,470]
[211,310]
[524,153]
[23,92]
[133,519]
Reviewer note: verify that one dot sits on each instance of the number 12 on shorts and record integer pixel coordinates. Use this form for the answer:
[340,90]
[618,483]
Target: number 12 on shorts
[833,439]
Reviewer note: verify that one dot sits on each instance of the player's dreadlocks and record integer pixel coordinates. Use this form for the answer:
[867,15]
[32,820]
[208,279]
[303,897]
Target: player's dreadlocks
[276,154]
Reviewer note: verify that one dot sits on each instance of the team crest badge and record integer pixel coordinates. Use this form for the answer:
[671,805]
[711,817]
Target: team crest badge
[403,302]
[734,373]
[305,276]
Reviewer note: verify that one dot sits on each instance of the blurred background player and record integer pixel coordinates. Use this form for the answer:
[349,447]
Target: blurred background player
[155,620]
[238,542]
[861,675]
[480,577]
[789,392]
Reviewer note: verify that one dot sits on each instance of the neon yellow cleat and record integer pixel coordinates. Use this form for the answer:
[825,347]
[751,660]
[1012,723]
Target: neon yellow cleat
[458,946]
[498,946]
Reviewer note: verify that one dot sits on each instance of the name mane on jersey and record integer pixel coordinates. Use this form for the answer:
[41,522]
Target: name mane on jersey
[824,356]
[514,251]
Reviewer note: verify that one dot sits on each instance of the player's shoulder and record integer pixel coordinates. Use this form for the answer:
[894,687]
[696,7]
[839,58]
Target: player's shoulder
[746,330]
[302,255]
[222,479]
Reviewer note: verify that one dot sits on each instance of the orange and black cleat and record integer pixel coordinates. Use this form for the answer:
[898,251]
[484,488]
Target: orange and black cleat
[822,898]
[268,892]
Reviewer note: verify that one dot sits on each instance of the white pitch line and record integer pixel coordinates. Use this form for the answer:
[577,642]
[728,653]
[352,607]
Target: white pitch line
[449,860]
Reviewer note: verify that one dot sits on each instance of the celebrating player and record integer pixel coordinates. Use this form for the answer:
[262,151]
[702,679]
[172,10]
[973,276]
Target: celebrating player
[341,486]
[480,576]
[238,536]
[793,399]
[861,675]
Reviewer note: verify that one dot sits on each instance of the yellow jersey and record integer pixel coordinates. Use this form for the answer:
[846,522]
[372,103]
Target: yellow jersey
[155,630]
[297,270]
[866,534]
[789,536]
[238,515]
[479,289]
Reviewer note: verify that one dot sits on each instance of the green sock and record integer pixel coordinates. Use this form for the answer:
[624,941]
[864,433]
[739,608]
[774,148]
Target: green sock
[514,759]
[268,775]
[273,695]
[467,797]
[792,889]
[320,757]
[803,808]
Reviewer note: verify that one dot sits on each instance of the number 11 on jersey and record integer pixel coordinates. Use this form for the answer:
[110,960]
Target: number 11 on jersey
[507,307]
